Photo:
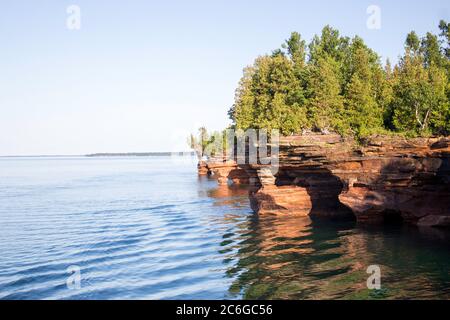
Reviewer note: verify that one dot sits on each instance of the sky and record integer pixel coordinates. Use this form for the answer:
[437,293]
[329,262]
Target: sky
[139,76]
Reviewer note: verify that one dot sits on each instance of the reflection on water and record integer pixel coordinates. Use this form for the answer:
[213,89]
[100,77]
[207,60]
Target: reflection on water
[297,258]
[145,228]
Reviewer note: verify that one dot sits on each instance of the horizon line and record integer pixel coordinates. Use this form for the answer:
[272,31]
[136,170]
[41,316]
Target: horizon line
[98,154]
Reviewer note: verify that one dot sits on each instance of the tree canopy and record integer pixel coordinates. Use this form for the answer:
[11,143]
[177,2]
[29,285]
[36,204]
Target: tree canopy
[339,84]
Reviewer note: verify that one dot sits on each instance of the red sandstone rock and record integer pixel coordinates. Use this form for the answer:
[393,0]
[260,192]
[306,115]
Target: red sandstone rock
[203,168]
[275,200]
[406,178]
[303,184]
[226,171]
[434,221]
[388,177]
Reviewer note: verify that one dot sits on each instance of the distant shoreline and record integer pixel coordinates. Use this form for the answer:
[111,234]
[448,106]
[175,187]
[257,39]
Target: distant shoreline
[140,154]
[112,154]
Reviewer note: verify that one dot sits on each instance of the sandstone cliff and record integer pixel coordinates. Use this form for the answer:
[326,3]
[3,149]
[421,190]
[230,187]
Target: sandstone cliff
[386,178]
[399,179]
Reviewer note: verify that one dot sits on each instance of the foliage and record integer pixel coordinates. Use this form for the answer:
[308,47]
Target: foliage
[199,142]
[339,84]
[270,96]
[209,144]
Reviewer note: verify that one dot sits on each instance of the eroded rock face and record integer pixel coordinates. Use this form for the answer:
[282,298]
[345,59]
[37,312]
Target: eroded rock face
[202,168]
[226,171]
[275,200]
[303,183]
[388,178]
[399,179]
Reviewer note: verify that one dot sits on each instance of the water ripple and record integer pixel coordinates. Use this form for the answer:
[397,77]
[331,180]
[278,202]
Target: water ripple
[140,229]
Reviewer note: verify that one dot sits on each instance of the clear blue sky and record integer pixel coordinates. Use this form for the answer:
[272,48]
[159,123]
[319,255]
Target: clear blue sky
[140,75]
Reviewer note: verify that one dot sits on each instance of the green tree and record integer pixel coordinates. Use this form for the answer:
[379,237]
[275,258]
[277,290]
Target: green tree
[368,91]
[270,96]
[419,96]
[412,43]
[387,94]
[296,49]
[339,84]
[325,109]
[445,34]
[242,112]
[363,110]
[431,51]
[199,142]
[279,99]
[330,43]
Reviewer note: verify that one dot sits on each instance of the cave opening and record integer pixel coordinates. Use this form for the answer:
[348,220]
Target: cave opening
[392,217]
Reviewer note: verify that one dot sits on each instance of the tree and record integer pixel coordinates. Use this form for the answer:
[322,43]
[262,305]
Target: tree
[325,102]
[279,99]
[421,88]
[330,43]
[242,112]
[296,49]
[387,94]
[270,96]
[339,84]
[412,43]
[431,51]
[362,108]
[420,93]
[445,34]
[199,142]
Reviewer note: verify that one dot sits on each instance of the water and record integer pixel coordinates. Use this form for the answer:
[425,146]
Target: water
[149,228]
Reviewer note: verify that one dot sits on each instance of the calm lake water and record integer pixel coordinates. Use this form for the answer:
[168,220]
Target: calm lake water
[149,228]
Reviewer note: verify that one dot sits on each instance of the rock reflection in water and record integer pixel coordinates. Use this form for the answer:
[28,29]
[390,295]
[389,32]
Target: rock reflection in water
[276,257]
[232,196]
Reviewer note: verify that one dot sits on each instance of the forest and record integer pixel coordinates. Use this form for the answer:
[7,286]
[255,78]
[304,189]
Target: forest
[338,84]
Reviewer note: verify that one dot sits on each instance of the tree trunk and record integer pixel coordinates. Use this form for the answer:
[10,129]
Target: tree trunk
[418,117]
[424,126]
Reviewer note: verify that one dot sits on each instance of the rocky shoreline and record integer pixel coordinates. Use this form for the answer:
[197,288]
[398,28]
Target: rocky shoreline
[384,179]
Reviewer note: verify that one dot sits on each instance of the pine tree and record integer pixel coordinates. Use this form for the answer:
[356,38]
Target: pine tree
[296,49]
[445,34]
[242,112]
[325,103]
[362,109]
[412,43]
[270,96]
[338,84]
[431,51]
[330,43]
